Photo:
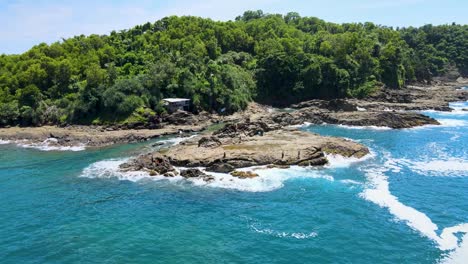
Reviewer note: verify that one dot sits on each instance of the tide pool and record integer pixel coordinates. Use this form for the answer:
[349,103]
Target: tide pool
[405,203]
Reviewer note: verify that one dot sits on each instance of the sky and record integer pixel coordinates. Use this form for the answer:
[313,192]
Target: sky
[27,23]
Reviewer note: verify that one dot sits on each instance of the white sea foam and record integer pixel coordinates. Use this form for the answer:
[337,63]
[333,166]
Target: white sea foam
[305,124]
[351,182]
[459,105]
[50,144]
[110,169]
[448,167]
[361,109]
[379,193]
[268,180]
[452,122]
[459,255]
[4,142]
[296,235]
[176,140]
[339,161]
[455,112]
[444,122]
[365,127]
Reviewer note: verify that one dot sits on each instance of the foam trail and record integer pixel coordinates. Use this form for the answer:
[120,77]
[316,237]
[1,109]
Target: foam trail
[459,255]
[365,127]
[447,167]
[50,145]
[380,195]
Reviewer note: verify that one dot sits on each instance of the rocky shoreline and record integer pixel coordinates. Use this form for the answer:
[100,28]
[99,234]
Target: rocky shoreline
[242,145]
[261,136]
[386,108]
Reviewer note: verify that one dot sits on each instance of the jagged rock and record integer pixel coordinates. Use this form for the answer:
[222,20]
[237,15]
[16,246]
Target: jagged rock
[192,173]
[244,174]
[155,163]
[381,119]
[334,105]
[277,166]
[180,118]
[245,128]
[220,167]
[209,142]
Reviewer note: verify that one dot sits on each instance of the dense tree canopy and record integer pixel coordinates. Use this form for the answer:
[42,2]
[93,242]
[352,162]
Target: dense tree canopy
[221,66]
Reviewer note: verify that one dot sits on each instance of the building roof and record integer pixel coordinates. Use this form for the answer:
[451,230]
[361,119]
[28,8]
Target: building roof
[175,100]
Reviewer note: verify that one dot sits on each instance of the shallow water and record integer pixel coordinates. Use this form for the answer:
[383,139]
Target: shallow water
[392,207]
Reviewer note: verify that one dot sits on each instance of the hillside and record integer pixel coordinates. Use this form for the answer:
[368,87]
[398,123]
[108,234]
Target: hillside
[221,66]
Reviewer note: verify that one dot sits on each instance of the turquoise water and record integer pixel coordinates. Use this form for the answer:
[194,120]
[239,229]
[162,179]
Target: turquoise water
[73,207]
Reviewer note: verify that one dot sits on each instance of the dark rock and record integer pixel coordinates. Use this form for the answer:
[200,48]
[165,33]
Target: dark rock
[245,128]
[180,118]
[154,163]
[334,105]
[209,142]
[220,167]
[192,173]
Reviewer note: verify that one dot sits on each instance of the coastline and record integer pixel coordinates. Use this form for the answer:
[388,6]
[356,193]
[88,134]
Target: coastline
[387,109]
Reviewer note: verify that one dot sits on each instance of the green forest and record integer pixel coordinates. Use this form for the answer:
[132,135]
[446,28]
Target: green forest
[221,66]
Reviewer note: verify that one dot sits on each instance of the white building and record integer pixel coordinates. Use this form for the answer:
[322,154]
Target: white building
[174,104]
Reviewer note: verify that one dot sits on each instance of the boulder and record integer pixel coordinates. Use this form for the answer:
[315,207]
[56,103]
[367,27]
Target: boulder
[244,128]
[244,174]
[192,173]
[220,167]
[209,142]
[155,163]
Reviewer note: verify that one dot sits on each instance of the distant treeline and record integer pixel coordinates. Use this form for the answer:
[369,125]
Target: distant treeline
[221,66]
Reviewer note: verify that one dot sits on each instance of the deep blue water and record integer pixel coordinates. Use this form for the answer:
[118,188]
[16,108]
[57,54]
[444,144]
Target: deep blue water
[73,207]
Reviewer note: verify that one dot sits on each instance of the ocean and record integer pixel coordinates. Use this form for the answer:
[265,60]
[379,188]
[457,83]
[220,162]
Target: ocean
[407,202]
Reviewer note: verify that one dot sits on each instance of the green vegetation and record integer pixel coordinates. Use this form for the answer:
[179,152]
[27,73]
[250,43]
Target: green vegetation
[221,66]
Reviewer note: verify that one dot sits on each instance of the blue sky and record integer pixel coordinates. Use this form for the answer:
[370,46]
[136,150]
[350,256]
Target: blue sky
[26,23]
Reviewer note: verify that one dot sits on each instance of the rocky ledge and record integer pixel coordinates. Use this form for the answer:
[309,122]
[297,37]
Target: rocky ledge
[243,145]
[391,119]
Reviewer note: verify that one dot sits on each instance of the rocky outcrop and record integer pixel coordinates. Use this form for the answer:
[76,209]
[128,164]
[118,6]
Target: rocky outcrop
[381,119]
[196,173]
[192,173]
[244,128]
[283,147]
[155,164]
[209,142]
[244,174]
[390,119]
[331,105]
